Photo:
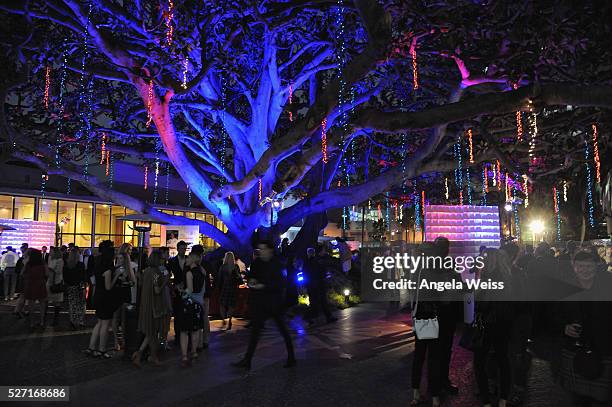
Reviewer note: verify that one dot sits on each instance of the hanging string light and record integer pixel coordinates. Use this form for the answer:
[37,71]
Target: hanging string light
[379,211]
[417,213]
[589,183]
[47,86]
[423,200]
[259,190]
[185,71]
[519,121]
[69,187]
[526,189]
[533,135]
[111,177]
[507,188]
[517,224]
[596,155]
[470,145]
[459,171]
[564,191]
[387,211]
[415,71]
[324,140]
[188,196]
[446,188]
[150,104]
[156,181]
[485,186]
[498,175]
[290,101]
[60,118]
[493,176]
[108,162]
[146,177]
[103,149]
[396,211]
[557,211]
[469,184]
[167,182]
[43,184]
[168,22]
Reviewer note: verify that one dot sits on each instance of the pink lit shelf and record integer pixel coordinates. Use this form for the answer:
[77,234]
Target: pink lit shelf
[463,223]
[36,234]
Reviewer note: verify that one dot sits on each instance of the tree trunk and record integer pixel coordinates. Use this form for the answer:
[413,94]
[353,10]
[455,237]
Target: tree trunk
[309,233]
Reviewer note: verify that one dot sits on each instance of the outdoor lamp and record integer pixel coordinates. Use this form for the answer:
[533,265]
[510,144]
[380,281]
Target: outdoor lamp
[536,226]
[508,206]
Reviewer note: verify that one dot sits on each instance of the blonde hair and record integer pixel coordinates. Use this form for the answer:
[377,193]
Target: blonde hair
[124,256]
[229,259]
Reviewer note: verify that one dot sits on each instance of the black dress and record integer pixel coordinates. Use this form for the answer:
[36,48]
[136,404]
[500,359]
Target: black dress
[190,313]
[105,301]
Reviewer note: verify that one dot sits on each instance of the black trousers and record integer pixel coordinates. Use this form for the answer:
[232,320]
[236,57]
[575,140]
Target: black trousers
[448,323]
[257,325]
[496,340]
[318,302]
[429,348]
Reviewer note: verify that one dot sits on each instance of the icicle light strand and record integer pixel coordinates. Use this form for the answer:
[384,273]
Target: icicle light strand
[471,147]
[47,86]
[596,154]
[324,140]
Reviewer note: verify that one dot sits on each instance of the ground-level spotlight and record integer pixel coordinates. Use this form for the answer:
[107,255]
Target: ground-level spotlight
[347,294]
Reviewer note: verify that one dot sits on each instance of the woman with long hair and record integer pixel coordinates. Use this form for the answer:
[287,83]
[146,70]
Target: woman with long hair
[494,315]
[35,273]
[75,278]
[56,277]
[152,307]
[126,279]
[190,314]
[229,280]
[106,302]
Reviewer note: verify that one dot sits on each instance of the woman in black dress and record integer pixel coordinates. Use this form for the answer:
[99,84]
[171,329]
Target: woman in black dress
[75,278]
[106,301]
[190,316]
[229,280]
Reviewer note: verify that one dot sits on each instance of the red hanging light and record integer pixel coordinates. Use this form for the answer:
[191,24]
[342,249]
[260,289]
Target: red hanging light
[324,140]
[423,200]
[415,71]
[556,204]
[290,101]
[486,178]
[150,103]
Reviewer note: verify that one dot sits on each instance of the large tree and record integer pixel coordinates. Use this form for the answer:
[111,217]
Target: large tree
[331,102]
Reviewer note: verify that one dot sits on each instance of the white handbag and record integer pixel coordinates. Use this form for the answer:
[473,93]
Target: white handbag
[424,328]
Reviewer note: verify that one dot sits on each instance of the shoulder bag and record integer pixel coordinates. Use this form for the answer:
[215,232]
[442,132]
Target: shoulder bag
[425,328]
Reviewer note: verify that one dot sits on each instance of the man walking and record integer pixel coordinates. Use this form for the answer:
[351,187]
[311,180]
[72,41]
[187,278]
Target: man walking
[266,284]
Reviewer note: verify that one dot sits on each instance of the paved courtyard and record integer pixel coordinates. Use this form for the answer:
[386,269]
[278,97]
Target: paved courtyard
[362,360]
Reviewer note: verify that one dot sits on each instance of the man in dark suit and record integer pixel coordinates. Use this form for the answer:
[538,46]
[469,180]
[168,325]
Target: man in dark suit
[266,284]
[177,269]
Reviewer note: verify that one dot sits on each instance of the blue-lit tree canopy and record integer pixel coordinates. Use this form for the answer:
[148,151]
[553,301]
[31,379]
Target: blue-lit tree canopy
[330,102]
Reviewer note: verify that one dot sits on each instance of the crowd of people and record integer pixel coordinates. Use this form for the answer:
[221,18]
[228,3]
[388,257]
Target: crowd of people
[557,295]
[560,297]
